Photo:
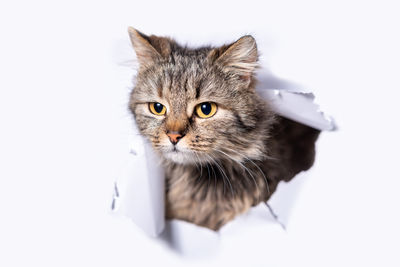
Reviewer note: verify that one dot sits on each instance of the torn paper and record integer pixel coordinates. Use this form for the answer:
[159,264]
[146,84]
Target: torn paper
[139,191]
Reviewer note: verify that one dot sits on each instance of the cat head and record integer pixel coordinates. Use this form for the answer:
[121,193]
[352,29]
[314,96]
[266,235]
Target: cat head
[199,105]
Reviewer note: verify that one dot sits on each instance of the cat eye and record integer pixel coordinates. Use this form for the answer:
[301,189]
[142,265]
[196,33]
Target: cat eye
[157,108]
[206,109]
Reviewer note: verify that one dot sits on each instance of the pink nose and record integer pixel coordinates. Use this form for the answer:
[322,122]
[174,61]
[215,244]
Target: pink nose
[174,137]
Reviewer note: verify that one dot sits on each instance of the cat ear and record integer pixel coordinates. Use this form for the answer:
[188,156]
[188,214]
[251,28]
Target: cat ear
[149,48]
[239,57]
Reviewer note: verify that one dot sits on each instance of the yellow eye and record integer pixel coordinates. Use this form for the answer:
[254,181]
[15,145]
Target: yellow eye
[157,108]
[206,109]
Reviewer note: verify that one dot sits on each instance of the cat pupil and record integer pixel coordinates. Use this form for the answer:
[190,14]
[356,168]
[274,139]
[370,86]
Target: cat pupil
[158,107]
[206,108]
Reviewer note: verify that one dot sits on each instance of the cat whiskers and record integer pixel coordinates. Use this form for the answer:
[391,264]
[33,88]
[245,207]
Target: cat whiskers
[215,179]
[212,168]
[201,168]
[244,167]
[208,164]
[223,175]
[199,161]
[252,162]
[195,162]
[209,178]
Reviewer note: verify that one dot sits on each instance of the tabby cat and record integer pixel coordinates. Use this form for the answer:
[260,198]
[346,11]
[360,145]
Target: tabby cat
[222,147]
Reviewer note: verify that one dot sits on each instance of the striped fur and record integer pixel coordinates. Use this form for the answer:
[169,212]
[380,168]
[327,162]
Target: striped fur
[227,163]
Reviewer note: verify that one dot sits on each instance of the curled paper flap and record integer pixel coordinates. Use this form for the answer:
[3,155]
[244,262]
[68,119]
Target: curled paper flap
[298,106]
[293,101]
[139,191]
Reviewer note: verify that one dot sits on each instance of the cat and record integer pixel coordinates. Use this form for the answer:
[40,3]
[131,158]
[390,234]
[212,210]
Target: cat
[222,148]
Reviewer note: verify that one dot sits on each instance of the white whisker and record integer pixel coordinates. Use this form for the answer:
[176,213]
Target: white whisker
[244,167]
[252,162]
[224,175]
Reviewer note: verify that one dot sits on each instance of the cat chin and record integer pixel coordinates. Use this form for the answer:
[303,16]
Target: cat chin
[180,157]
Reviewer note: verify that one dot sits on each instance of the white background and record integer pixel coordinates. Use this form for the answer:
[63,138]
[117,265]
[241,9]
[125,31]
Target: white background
[64,134]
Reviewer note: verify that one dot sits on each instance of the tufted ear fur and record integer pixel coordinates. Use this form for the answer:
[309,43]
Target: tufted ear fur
[239,58]
[149,49]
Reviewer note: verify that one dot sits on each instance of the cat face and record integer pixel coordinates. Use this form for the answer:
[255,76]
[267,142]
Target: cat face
[198,105]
